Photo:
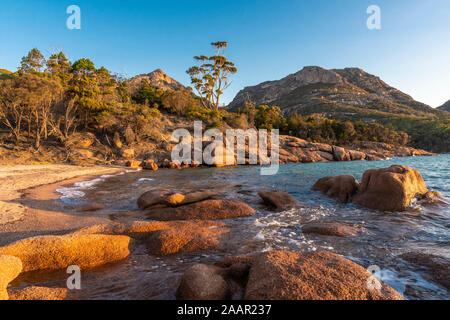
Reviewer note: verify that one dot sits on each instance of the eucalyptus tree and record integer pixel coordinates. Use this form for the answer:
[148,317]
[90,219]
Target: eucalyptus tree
[211,76]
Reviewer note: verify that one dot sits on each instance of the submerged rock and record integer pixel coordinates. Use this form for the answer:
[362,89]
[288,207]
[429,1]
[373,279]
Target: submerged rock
[10,268]
[341,188]
[37,293]
[205,210]
[390,189]
[57,252]
[437,266]
[278,199]
[93,207]
[330,229]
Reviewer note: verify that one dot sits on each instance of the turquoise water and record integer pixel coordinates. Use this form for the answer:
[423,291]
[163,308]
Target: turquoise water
[383,237]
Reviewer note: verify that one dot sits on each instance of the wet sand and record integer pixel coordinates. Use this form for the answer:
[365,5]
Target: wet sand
[27,206]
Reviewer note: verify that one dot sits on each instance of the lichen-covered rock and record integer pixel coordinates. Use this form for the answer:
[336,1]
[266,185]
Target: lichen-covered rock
[186,237]
[165,197]
[285,275]
[320,275]
[37,293]
[57,252]
[10,268]
[341,188]
[390,189]
[178,199]
[205,210]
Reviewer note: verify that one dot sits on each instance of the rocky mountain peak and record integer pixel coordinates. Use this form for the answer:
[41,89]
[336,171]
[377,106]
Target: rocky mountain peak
[349,93]
[159,79]
[313,74]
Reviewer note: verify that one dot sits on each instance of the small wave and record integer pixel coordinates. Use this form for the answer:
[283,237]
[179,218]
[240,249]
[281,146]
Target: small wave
[69,194]
[145,179]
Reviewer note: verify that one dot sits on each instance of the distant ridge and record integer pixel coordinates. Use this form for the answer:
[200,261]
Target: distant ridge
[349,93]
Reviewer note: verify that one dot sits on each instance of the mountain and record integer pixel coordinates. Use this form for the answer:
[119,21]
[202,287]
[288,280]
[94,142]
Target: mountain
[347,94]
[158,79]
[445,106]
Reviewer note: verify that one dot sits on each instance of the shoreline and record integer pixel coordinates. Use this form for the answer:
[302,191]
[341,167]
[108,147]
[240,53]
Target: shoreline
[27,202]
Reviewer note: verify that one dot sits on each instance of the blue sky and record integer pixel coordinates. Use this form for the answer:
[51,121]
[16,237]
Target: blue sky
[267,39]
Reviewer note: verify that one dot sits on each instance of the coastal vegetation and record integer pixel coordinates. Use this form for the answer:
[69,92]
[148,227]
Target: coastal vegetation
[49,101]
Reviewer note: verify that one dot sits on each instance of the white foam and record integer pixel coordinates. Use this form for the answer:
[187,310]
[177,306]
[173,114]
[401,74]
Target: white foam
[70,193]
[260,236]
[76,192]
[145,179]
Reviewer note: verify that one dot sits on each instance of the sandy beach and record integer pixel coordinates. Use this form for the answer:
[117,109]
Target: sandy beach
[26,199]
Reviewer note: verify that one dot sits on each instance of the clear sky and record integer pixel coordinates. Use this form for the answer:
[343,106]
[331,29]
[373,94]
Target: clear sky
[267,39]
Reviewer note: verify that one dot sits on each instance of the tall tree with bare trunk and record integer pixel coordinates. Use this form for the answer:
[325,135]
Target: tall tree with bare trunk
[212,74]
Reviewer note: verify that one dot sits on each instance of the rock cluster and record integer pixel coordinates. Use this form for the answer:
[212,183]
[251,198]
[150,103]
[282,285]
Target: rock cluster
[386,189]
[283,275]
[291,150]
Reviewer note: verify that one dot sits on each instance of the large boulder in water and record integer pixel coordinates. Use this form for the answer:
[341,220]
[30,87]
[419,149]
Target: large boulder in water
[278,199]
[57,252]
[390,189]
[153,197]
[330,229]
[341,188]
[163,197]
[321,275]
[10,268]
[186,237]
[205,210]
[437,266]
